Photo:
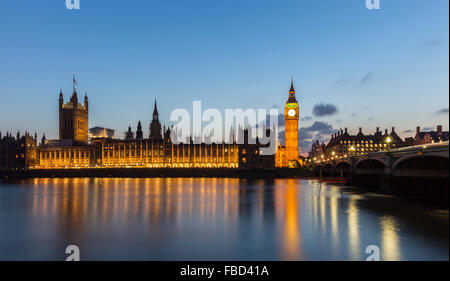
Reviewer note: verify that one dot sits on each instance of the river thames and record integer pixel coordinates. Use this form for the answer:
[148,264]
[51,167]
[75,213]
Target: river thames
[213,219]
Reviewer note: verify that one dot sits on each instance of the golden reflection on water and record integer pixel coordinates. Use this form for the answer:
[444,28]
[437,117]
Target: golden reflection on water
[334,222]
[390,244]
[78,198]
[287,215]
[210,204]
[353,230]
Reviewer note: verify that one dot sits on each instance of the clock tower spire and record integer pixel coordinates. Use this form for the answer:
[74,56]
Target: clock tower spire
[291,116]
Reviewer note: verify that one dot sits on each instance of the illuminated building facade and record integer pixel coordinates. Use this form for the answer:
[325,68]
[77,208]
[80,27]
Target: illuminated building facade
[157,151]
[65,154]
[342,144]
[163,153]
[99,133]
[288,155]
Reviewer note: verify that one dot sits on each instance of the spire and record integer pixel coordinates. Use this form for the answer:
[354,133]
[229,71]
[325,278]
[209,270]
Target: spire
[292,98]
[155,112]
[139,133]
[61,97]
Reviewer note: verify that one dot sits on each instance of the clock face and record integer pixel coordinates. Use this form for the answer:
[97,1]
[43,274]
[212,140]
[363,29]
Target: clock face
[291,112]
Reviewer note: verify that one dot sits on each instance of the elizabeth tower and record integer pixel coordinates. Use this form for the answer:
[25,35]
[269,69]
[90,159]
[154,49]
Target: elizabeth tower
[291,114]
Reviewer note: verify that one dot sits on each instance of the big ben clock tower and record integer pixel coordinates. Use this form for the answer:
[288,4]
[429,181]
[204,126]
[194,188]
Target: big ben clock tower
[291,114]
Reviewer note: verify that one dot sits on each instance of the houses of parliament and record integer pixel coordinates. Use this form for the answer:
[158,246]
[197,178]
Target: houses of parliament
[79,147]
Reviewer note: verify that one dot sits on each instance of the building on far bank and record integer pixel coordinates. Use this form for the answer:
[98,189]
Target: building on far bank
[342,144]
[80,147]
[430,136]
[18,153]
[156,151]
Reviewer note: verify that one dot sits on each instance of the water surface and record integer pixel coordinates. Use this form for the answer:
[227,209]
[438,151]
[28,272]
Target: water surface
[213,219]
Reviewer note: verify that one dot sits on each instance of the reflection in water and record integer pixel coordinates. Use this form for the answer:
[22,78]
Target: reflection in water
[334,223]
[200,218]
[286,207]
[353,230]
[390,248]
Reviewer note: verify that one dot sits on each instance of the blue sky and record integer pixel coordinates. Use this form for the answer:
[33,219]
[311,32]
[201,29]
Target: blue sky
[384,68]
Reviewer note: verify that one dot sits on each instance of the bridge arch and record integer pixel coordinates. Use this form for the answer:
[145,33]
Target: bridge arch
[423,160]
[422,174]
[370,163]
[341,162]
[342,168]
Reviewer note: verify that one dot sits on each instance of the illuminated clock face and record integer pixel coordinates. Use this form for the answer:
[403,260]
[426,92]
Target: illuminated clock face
[291,112]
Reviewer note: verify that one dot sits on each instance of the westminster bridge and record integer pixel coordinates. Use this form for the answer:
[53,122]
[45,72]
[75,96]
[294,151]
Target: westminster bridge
[419,169]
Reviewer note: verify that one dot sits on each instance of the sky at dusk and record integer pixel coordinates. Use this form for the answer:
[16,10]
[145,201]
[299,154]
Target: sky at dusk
[352,67]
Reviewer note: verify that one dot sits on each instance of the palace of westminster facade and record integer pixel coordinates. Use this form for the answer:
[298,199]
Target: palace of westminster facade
[73,149]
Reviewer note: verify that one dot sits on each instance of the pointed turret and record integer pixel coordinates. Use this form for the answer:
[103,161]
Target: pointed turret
[292,98]
[86,101]
[129,135]
[155,125]
[61,98]
[139,133]
[155,112]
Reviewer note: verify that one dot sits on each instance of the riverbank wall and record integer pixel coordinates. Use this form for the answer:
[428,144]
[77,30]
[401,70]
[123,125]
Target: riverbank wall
[156,172]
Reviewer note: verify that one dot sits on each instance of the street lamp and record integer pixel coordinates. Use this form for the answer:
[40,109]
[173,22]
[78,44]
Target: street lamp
[388,141]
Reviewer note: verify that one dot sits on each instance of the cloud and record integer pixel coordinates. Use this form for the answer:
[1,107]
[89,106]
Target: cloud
[341,81]
[339,121]
[324,109]
[306,118]
[407,131]
[430,43]
[427,129]
[320,131]
[371,118]
[367,78]
[320,127]
[442,111]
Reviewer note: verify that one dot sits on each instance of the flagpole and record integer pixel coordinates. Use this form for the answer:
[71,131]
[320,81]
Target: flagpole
[73,82]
